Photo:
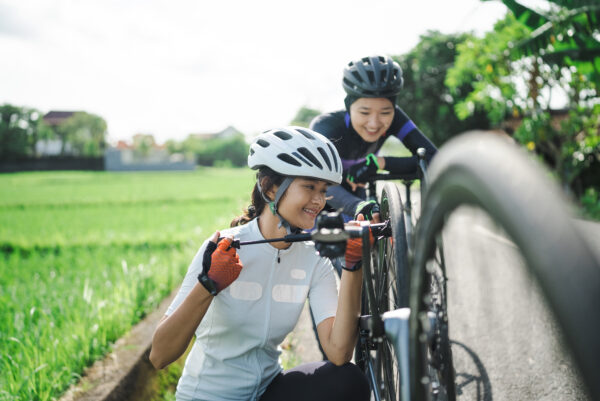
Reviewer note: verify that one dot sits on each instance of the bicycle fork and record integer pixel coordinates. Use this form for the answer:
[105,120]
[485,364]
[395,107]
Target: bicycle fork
[396,324]
[397,331]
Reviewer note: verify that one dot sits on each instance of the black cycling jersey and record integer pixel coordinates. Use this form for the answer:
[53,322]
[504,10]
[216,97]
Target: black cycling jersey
[353,149]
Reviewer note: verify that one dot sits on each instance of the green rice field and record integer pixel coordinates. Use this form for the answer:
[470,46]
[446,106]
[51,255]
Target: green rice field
[86,255]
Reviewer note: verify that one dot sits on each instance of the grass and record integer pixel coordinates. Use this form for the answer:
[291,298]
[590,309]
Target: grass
[86,255]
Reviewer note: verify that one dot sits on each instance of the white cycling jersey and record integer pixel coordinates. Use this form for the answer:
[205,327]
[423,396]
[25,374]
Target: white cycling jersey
[235,355]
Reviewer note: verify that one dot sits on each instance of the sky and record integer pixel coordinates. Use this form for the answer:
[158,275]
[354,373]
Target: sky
[171,68]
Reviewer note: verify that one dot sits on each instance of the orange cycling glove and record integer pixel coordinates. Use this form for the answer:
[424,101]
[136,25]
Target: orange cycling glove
[354,252]
[220,266]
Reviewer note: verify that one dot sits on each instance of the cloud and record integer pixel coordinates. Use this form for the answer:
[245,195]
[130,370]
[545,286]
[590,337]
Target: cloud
[171,68]
[13,24]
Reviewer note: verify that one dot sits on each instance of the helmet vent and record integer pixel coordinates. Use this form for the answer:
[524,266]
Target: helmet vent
[288,159]
[263,143]
[383,75]
[306,153]
[305,133]
[299,156]
[282,135]
[251,151]
[325,157]
[333,152]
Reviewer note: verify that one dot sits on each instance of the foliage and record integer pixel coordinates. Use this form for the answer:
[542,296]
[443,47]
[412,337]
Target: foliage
[591,203]
[485,64]
[304,116]
[100,260]
[571,147]
[20,129]
[565,33]
[425,98]
[86,133]
[231,150]
[143,144]
[514,82]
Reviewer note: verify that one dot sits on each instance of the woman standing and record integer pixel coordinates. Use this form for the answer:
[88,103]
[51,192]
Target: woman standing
[241,305]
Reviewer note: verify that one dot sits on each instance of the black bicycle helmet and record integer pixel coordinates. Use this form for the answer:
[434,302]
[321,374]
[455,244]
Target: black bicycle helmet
[375,76]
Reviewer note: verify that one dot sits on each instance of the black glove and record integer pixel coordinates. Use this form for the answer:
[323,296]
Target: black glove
[362,172]
[367,209]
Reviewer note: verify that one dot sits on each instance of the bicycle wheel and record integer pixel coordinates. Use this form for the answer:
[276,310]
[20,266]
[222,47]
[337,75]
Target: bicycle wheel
[492,176]
[390,255]
[390,282]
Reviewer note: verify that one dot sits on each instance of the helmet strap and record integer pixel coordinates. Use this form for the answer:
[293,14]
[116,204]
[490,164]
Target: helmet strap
[274,204]
[280,191]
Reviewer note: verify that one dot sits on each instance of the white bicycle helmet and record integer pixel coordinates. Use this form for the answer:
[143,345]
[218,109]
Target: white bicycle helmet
[298,152]
[294,152]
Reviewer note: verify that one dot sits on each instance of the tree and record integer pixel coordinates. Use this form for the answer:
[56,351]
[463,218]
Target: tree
[485,65]
[85,132]
[223,151]
[20,129]
[566,36]
[565,33]
[424,96]
[143,144]
[304,116]
[514,81]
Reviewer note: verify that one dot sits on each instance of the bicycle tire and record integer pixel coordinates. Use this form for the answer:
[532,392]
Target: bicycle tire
[490,172]
[391,254]
[390,283]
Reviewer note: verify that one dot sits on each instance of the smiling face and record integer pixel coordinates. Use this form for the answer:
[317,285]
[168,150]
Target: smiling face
[302,202]
[371,117]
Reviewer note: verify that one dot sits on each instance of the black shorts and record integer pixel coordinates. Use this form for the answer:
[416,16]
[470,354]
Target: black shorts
[318,381]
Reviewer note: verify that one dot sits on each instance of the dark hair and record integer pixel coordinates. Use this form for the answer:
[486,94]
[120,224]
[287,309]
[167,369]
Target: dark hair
[268,178]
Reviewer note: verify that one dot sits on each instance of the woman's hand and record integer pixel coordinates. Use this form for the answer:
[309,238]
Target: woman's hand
[220,265]
[354,247]
[370,210]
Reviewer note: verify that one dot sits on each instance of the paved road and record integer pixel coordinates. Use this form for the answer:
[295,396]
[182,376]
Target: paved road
[506,344]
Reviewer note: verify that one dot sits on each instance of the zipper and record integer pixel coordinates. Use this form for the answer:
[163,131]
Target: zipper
[278,258]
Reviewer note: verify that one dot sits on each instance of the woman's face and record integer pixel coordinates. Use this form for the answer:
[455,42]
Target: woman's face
[371,117]
[302,202]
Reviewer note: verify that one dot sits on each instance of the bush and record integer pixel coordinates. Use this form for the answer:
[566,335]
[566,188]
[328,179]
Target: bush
[210,152]
[590,202]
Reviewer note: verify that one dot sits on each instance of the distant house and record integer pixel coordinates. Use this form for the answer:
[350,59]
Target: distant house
[127,157]
[53,147]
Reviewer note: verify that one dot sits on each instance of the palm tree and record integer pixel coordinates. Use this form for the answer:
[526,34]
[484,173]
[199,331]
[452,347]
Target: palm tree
[565,33]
